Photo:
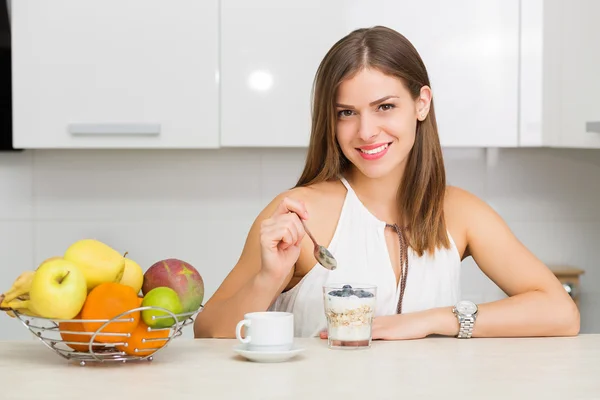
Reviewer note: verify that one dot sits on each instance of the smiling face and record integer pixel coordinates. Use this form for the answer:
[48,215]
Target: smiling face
[373,118]
[377,120]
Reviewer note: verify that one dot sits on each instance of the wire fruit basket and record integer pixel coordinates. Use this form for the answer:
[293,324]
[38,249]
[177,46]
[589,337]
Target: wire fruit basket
[111,349]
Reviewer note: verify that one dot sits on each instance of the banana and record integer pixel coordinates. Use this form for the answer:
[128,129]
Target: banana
[8,312]
[20,287]
[20,305]
[17,297]
[24,311]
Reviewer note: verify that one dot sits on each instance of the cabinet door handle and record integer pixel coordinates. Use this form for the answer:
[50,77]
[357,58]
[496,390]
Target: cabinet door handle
[593,126]
[114,129]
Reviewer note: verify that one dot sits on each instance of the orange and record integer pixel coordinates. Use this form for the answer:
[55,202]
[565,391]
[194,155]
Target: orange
[73,337]
[136,341]
[107,301]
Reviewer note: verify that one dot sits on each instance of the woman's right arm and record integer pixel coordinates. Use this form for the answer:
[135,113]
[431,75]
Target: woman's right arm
[262,272]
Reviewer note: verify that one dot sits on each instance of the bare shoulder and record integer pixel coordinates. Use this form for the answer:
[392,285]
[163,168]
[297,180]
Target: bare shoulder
[466,206]
[317,197]
[477,224]
[463,212]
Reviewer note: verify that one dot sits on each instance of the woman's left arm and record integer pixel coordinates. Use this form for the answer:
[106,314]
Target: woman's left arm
[537,304]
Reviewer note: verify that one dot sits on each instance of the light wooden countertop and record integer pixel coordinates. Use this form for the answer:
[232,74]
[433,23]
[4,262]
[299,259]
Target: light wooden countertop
[441,368]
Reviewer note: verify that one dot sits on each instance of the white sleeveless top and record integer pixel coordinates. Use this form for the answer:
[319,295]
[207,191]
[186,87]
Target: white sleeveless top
[360,249]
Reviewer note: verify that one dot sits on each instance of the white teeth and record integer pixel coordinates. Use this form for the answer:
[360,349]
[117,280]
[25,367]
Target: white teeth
[376,150]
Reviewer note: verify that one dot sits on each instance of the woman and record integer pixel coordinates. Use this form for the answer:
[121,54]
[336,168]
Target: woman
[374,192]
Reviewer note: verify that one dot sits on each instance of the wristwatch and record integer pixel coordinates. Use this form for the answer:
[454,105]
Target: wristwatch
[466,312]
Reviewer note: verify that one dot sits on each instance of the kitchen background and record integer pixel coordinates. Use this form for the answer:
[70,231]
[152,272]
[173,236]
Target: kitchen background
[177,194]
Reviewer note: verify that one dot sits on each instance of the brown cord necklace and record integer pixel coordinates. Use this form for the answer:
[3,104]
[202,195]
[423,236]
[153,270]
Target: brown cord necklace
[403,262]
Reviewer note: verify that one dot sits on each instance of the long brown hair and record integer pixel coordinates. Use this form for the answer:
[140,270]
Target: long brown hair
[421,192]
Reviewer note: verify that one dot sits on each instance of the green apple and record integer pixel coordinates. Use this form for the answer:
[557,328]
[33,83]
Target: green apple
[163,297]
[58,289]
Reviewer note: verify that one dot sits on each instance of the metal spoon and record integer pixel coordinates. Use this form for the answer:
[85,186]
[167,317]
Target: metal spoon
[323,256]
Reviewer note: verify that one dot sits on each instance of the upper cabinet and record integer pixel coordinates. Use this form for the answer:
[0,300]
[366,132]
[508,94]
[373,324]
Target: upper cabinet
[270,51]
[239,73]
[560,73]
[115,73]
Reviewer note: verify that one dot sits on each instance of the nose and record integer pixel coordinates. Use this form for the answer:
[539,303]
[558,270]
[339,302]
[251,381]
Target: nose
[367,128]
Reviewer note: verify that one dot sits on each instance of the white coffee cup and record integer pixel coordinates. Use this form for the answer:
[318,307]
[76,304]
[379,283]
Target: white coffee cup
[267,331]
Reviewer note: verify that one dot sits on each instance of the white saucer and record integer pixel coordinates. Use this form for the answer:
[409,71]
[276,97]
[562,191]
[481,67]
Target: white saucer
[267,356]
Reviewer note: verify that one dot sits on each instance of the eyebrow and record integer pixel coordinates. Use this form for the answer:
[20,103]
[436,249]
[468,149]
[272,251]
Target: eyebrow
[381,100]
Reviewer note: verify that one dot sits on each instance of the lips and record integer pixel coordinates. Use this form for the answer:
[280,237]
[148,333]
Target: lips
[374,151]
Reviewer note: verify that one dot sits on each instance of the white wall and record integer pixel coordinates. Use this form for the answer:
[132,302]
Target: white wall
[198,206]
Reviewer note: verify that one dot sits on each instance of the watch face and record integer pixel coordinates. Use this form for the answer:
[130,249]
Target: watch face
[466,307]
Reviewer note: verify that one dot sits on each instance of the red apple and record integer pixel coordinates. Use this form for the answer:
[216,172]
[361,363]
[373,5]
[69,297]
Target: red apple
[180,276]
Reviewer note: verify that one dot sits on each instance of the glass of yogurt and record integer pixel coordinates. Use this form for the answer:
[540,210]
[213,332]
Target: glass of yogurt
[349,310]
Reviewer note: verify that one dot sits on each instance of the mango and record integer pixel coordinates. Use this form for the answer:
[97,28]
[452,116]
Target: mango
[99,262]
[180,276]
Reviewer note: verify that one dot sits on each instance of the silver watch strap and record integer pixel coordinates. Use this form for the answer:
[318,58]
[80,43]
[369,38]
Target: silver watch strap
[466,327]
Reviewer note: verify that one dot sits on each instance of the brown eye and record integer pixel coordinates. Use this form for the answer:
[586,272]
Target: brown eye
[386,107]
[345,113]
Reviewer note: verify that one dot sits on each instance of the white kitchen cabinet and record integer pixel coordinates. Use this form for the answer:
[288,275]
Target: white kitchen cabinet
[271,50]
[560,74]
[115,73]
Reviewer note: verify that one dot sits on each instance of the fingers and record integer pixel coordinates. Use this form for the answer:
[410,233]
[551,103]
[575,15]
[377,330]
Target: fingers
[299,228]
[284,228]
[288,235]
[323,334]
[282,232]
[291,205]
[291,210]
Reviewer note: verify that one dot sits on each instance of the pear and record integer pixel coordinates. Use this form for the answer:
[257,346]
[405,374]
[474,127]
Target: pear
[98,262]
[133,275]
